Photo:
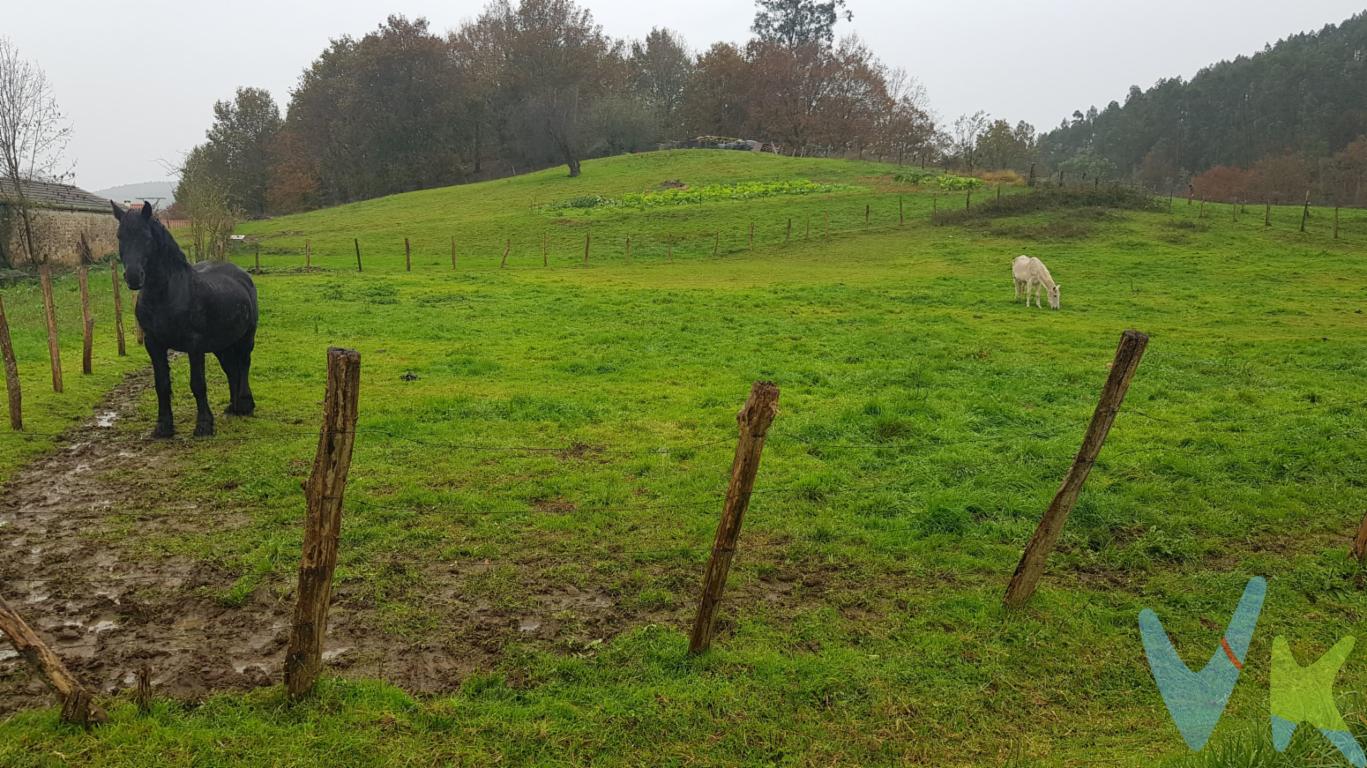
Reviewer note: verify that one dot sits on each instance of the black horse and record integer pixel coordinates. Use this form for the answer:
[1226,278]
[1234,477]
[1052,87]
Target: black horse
[194,309]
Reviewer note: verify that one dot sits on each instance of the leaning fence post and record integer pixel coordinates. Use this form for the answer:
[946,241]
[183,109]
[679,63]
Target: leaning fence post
[716,244]
[356,242]
[507,246]
[323,493]
[54,352]
[16,417]
[118,306]
[1032,561]
[407,256]
[754,420]
[1305,212]
[588,239]
[78,706]
[87,322]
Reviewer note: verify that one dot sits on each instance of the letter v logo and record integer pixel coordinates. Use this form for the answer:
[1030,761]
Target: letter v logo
[1196,700]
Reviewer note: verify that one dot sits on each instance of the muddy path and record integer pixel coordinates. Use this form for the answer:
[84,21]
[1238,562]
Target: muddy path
[73,562]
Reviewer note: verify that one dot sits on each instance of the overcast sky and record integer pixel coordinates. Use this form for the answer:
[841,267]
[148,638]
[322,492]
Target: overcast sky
[138,80]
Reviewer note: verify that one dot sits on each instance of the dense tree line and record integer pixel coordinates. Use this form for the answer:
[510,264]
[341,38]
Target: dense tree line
[1286,109]
[535,83]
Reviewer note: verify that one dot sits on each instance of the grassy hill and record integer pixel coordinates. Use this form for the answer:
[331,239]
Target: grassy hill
[542,454]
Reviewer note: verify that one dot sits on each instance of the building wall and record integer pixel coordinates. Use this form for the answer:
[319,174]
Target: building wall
[57,234]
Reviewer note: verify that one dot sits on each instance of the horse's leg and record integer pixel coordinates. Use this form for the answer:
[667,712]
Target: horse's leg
[228,363]
[204,418]
[238,365]
[161,379]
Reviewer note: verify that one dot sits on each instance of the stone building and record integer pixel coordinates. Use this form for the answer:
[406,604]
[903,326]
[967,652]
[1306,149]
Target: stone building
[59,214]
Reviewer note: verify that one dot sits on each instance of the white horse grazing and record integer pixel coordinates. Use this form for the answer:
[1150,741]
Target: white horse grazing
[1031,275]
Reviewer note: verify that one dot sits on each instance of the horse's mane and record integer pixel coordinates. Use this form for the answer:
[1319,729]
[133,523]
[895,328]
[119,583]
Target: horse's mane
[168,244]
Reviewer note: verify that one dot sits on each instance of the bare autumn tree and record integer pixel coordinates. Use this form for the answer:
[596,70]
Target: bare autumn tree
[905,128]
[964,137]
[33,136]
[715,99]
[205,195]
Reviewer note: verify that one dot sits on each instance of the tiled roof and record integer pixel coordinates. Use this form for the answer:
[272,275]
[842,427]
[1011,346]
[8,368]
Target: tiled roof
[47,194]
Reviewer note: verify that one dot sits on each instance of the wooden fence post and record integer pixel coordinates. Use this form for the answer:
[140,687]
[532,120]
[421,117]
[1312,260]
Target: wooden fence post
[1305,212]
[143,695]
[54,352]
[308,254]
[628,248]
[87,322]
[453,252]
[999,192]
[754,420]
[357,243]
[867,211]
[901,212]
[588,238]
[934,207]
[807,235]
[788,234]
[78,706]
[968,198]
[407,256]
[258,258]
[1336,222]
[544,247]
[826,231]
[323,493]
[118,307]
[507,246]
[752,236]
[669,251]
[1031,567]
[1201,210]
[716,244]
[1267,213]
[16,411]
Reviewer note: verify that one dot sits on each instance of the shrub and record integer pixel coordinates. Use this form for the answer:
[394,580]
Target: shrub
[749,190]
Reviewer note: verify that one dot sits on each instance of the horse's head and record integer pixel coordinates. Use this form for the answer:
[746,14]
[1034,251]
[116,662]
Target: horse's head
[1053,297]
[139,243]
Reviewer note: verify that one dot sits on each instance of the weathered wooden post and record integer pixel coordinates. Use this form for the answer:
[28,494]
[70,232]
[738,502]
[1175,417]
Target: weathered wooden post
[356,242]
[1305,212]
[1267,213]
[1336,222]
[588,238]
[968,198]
[507,246]
[1031,567]
[54,352]
[16,409]
[78,706]
[118,306]
[308,254]
[407,256]
[752,236]
[1201,210]
[143,695]
[544,248]
[934,208]
[716,244]
[258,258]
[827,226]
[788,233]
[323,524]
[754,420]
[901,212]
[87,322]
[453,252]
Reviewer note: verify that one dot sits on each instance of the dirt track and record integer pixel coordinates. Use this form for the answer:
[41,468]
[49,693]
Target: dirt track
[73,562]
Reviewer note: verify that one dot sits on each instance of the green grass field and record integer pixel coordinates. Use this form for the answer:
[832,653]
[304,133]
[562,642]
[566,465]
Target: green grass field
[543,451]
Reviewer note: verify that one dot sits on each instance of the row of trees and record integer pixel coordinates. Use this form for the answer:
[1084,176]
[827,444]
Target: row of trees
[1285,177]
[539,83]
[1302,98]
